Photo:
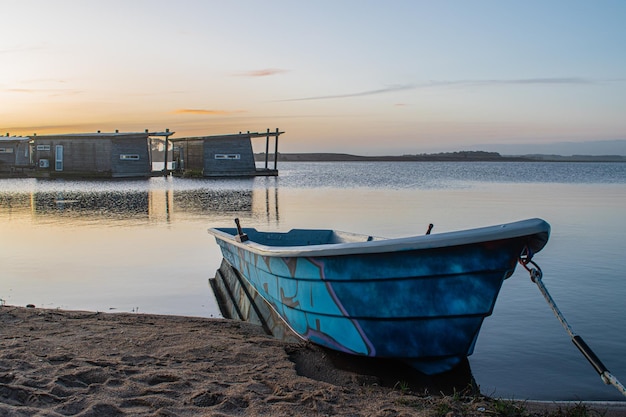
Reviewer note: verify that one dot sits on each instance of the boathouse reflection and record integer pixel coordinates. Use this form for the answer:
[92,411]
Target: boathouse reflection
[205,201]
[109,204]
[159,205]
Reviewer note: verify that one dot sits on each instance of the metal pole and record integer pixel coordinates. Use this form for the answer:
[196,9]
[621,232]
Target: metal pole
[536,275]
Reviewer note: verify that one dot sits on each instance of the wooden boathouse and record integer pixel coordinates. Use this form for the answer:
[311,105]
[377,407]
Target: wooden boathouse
[228,155]
[95,155]
[14,154]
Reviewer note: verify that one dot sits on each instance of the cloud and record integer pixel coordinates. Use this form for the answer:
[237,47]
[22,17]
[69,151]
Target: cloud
[207,112]
[22,49]
[519,81]
[567,80]
[357,94]
[50,128]
[52,92]
[455,83]
[262,72]
[20,90]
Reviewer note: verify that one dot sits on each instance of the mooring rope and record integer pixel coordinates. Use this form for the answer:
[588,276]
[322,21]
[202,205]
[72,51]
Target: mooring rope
[536,275]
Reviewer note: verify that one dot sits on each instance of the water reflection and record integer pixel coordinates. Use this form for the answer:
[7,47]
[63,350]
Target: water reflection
[106,204]
[14,202]
[205,201]
[157,257]
[141,205]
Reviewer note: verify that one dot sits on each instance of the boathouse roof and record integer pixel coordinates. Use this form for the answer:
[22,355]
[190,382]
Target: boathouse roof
[229,136]
[97,135]
[14,138]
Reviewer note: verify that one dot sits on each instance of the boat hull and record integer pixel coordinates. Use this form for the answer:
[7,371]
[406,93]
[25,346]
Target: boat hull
[424,306]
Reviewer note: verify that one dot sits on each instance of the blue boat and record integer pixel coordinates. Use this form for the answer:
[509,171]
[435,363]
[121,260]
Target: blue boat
[419,299]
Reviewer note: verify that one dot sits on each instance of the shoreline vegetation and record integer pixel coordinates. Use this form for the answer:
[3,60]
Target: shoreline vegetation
[58,362]
[461,156]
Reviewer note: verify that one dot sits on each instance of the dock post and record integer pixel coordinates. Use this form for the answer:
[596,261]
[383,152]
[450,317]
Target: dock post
[165,159]
[267,146]
[165,156]
[276,151]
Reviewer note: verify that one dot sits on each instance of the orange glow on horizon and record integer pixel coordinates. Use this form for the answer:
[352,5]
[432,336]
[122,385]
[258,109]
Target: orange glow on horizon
[207,112]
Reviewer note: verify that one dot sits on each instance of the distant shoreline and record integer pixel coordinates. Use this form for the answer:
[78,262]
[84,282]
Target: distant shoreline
[464,156]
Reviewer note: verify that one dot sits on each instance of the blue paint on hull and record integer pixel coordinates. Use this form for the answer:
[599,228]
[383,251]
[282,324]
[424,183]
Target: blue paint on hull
[424,306]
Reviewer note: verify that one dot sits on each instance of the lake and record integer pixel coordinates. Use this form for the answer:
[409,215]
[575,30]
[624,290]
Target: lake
[141,246]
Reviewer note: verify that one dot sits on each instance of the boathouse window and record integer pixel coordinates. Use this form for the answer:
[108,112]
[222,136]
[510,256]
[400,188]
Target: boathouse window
[43,147]
[6,150]
[129,157]
[227,156]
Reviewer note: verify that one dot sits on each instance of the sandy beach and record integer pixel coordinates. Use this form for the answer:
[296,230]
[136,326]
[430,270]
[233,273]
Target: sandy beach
[77,363]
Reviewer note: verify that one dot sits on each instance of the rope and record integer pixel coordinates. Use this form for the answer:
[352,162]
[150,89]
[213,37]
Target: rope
[535,276]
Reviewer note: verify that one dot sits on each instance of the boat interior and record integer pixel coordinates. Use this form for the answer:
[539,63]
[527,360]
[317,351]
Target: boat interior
[301,237]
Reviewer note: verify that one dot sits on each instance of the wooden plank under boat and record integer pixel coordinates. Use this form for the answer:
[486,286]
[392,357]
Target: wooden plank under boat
[420,299]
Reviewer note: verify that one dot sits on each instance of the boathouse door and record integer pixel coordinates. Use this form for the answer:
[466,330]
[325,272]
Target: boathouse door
[58,158]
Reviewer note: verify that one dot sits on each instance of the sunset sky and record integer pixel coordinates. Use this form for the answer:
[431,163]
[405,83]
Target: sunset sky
[356,76]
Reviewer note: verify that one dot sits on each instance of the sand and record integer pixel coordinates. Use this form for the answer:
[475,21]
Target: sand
[76,363]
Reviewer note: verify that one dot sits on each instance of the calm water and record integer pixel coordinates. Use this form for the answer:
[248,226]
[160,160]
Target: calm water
[142,246]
